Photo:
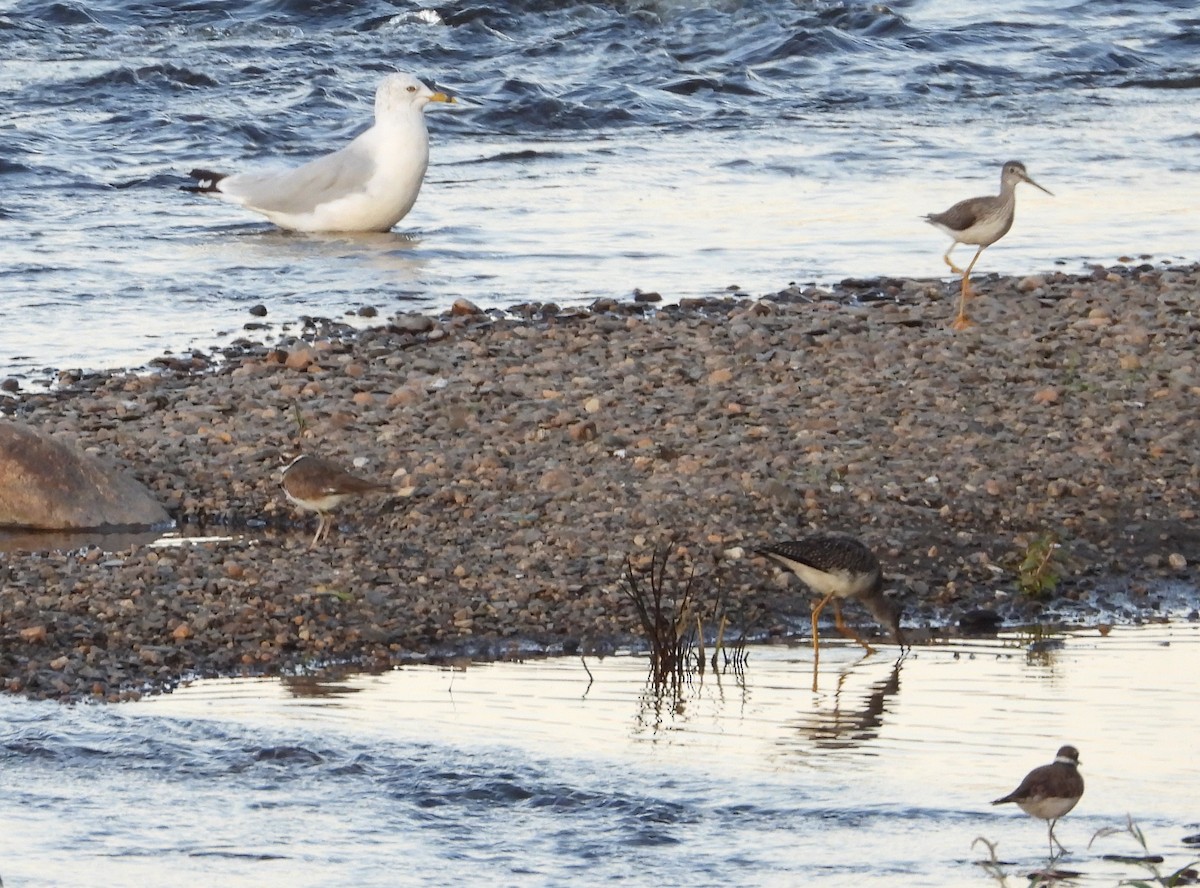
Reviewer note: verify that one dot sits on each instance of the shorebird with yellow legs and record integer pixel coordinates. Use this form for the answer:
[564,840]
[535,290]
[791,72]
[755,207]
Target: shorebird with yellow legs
[980,221]
[838,567]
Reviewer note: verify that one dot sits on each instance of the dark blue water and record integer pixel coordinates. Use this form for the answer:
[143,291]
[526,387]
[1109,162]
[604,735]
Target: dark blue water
[682,147]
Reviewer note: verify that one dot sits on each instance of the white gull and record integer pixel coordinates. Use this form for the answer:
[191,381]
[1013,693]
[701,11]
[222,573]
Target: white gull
[369,185]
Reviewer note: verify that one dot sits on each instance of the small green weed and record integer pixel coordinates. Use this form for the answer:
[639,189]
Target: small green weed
[1041,568]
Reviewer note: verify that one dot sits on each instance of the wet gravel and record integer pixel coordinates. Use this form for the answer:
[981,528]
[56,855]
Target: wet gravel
[534,450]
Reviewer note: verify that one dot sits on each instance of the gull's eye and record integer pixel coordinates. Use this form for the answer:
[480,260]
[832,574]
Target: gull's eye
[412,89]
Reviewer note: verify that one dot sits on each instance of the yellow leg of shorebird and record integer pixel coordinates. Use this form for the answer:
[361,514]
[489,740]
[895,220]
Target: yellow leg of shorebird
[816,638]
[846,630]
[816,612]
[962,321]
[946,258]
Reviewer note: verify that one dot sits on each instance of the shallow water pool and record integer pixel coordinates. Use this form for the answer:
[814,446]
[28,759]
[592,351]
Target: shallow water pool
[536,774]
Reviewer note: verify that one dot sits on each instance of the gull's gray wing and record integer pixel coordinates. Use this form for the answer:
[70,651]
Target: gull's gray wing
[303,189]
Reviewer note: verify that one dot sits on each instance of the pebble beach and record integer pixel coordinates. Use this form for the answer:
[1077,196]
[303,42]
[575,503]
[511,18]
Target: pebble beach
[533,452]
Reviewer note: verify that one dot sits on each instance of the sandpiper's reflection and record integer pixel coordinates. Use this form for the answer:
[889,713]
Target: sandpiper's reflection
[1044,651]
[846,718]
[319,686]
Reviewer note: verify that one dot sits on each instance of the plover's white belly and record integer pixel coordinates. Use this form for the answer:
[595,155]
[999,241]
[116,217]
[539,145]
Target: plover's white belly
[1047,808]
[318,502]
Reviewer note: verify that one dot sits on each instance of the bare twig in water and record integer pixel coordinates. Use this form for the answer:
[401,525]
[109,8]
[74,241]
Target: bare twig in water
[733,654]
[680,606]
[591,678]
[721,624]
[1184,875]
[992,865]
[664,617]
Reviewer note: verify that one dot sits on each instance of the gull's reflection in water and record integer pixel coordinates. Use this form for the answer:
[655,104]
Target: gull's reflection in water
[336,269]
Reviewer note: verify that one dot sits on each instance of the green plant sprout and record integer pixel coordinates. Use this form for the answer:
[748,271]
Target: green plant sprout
[1040,569]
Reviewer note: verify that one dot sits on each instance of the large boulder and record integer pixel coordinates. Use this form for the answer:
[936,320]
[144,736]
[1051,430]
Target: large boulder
[50,485]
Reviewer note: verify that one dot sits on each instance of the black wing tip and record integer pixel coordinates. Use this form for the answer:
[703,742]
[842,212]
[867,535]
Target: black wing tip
[206,181]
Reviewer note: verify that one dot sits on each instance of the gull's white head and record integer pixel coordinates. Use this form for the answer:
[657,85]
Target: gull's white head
[401,93]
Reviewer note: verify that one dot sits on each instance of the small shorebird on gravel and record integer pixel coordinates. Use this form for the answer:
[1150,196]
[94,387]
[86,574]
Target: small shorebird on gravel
[838,567]
[981,221]
[1050,791]
[320,486]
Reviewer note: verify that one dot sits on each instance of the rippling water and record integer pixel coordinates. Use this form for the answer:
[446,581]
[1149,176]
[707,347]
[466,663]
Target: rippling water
[679,146]
[530,774]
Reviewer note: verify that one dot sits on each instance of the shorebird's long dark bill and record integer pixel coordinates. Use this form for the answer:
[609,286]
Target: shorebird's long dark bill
[1036,185]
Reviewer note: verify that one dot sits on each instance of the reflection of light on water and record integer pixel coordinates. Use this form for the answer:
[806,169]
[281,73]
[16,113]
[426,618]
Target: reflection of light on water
[107,541]
[683,214]
[883,776]
[394,253]
[895,758]
[981,711]
[177,541]
[69,540]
